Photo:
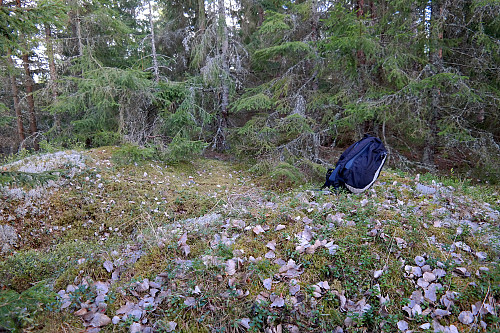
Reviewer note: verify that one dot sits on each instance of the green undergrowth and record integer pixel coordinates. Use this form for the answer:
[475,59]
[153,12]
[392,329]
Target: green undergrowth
[135,214]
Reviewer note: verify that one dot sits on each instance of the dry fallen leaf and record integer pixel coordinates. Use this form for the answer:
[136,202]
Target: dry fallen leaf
[245,322]
[190,301]
[258,229]
[171,325]
[277,301]
[271,245]
[108,265]
[231,267]
[466,317]
[183,239]
[270,255]
[402,325]
[267,283]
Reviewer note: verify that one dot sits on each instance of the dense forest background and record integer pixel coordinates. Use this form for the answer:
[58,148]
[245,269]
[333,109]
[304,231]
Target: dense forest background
[286,82]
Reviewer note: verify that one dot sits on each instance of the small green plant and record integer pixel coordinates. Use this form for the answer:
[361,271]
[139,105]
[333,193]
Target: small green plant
[286,175]
[261,316]
[182,149]
[82,294]
[18,310]
[130,153]
[223,251]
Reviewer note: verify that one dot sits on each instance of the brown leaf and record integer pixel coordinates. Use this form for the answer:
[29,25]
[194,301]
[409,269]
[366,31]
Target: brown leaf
[267,283]
[183,239]
[258,229]
[231,267]
[190,301]
[271,245]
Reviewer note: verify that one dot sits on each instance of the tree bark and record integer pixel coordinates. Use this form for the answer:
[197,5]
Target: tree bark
[29,94]
[29,97]
[15,96]
[79,33]
[202,17]
[53,72]
[436,62]
[314,38]
[220,138]
[153,46]
[360,4]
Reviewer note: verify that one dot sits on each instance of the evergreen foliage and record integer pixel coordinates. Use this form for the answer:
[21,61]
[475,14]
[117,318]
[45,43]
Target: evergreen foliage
[18,310]
[265,78]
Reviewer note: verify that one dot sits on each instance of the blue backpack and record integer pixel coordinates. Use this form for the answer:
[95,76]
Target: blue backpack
[359,166]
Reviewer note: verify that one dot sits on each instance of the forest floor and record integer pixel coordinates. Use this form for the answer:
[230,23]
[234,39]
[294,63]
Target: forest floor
[207,246]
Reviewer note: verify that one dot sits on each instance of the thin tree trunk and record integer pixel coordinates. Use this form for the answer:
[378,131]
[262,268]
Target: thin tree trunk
[15,96]
[202,16]
[29,94]
[53,73]
[436,61]
[360,4]
[153,46]
[29,97]
[79,33]
[220,139]
[314,37]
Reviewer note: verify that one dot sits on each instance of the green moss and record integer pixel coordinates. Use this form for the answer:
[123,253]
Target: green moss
[22,269]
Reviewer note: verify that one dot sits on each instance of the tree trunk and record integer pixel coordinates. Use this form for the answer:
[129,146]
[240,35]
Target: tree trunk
[29,98]
[29,94]
[79,33]
[15,96]
[360,4]
[153,46]
[202,17]
[220,138]
[53,73]
[314,38]
[436,62]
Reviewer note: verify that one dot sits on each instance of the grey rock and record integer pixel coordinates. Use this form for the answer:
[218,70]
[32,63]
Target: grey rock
[115,320]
